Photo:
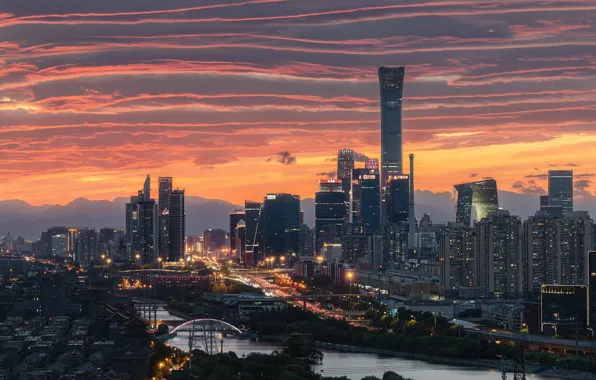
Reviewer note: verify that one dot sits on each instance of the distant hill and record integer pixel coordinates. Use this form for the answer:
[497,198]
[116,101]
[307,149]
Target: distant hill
[20,218]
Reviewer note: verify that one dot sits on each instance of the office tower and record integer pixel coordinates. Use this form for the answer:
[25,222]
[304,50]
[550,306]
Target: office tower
[53,296]
[372,164]
[576,242]
[240,241]
[480,196]
[214,242]
[71,237]
[345,165]
[165,189]
[177,225]
[398,199]
[565,306]
[147,189]
[592,283]
[560,189]
[499,258]
[59,245]
[551,209]
[148,231]
[391,81]
[306,241]
[426,221]
[252,211]
[301,217]
[366,192]
[542,251]
[235,217]
[456,259]
[280,219]
[132,226]
[411,209]
[329,208]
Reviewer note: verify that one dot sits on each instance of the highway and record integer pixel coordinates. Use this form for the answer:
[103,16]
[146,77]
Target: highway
[537,340]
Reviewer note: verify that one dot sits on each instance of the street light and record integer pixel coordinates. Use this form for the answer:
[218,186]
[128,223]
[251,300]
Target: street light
[159,260]
[350,275]
[137,256]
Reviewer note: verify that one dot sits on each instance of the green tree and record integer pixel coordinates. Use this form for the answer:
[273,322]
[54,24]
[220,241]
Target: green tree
[300,347]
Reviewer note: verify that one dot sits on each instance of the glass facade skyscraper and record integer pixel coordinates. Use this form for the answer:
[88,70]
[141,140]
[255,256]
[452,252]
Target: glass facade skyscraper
[398,199]
[177,226]
[164,190]
[560,189]
[252,211]
[481,196]
[391,81]
[280,220]
[329,208]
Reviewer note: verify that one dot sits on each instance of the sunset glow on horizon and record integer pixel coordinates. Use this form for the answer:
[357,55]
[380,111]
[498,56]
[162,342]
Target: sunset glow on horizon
[96,95]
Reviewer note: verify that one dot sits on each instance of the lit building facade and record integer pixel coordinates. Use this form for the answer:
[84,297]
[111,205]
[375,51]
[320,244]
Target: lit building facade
[560,189]
[329,208]
[398,199]
[177,226]
[280,220]
[391,82]
[481,196]
[542,251]
[164,191]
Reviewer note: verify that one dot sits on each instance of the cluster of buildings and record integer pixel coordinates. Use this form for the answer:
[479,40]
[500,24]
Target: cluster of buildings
[156,229]
[56,326]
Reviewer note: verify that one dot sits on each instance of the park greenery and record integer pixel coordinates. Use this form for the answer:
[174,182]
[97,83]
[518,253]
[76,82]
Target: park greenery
[407,332]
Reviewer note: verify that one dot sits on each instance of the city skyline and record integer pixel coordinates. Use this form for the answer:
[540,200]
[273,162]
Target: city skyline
[511,99]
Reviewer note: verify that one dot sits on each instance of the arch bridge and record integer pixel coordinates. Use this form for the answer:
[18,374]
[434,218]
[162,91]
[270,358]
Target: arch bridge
[206,334]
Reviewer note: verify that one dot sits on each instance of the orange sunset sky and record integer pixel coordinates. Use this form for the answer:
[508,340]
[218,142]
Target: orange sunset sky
[94,95]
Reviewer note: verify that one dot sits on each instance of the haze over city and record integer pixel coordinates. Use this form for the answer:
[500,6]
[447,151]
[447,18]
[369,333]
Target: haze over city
[237,99]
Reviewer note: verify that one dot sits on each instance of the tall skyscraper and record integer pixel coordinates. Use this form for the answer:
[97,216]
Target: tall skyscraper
[345,165]
[542,251]
[456,259]
[240,241]
[549,208]
[306,241]
[592,283]
[148,232]
[86,245]
[177,225]
[235,217]
[576,242]
[481,196]
[398,199]
[132,226]
[366,192]
[252,212]
[165,189]
[147,189]
[329,208]
[411,209]
[280,219]
[499,255]
[560,189]
[391,81]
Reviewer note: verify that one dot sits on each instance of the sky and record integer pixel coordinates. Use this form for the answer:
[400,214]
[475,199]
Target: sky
[235,99]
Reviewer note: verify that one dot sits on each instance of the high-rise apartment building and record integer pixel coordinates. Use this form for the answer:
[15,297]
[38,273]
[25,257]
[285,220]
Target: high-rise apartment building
[132,226]
[456,259]
[560,189]
[391,81]
[280,220]
[306,241]
[252,211]
[176,226]
[329,208]
[542,251]
[164,190]
[86,246]
[235,217]
[499,258]
[576,242]
[480,196]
